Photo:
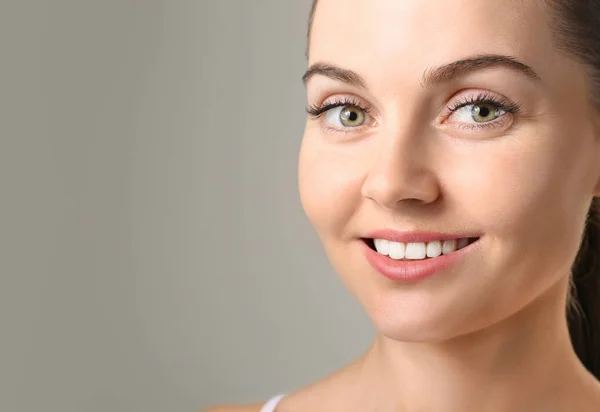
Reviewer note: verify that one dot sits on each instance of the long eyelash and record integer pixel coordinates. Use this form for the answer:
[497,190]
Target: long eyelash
[502,103]
[487,98]
[316,110]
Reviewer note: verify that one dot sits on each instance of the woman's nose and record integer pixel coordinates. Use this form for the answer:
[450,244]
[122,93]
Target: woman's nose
[402,171]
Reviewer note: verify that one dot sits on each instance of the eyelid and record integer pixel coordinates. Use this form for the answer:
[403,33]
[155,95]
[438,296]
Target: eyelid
[337,101]
[479,96]
[319,111]
[509,108]
[482,97]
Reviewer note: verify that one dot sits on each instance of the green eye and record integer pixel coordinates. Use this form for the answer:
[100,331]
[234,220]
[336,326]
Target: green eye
[346,116]
[484,112]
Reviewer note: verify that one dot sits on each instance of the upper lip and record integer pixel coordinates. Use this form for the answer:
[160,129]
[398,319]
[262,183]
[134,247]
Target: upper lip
[417,236]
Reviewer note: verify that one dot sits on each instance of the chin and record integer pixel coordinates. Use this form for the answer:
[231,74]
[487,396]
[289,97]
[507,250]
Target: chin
[420,317]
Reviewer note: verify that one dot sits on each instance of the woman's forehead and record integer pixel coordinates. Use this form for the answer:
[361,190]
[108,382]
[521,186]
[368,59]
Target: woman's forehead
[397,32]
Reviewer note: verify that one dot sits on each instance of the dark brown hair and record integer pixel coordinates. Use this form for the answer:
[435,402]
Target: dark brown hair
[575,27]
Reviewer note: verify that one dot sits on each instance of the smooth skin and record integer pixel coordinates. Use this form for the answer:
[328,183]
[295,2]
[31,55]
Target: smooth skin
[490,334]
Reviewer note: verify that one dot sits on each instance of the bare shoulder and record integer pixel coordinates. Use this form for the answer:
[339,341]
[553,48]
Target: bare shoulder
[329,393]
[255,407]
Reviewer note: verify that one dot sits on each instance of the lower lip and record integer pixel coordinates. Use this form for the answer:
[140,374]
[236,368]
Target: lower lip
[411,270]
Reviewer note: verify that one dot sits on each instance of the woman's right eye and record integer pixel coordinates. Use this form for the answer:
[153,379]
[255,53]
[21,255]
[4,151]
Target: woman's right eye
[346,116]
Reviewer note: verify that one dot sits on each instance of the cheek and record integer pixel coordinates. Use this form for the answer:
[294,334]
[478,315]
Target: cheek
[525,192]
[329,184]
[506,191]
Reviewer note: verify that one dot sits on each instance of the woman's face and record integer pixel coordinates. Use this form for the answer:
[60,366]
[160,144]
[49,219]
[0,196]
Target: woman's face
[521,179]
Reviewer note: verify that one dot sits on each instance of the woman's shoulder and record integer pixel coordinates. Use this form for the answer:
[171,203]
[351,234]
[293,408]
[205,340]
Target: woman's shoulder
[324,394]
[300,400]
[255,407]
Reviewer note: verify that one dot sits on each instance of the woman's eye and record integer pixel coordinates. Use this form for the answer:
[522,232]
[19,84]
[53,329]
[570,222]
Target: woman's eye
[480,112]
[346,116]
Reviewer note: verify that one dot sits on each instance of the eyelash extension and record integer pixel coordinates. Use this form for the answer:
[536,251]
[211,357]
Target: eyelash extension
[501,103]
[317,111]
[486,98]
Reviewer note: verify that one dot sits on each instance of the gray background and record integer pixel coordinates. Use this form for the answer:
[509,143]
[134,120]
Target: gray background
[154,255]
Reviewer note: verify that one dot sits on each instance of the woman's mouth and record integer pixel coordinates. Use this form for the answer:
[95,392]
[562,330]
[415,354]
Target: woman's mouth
[417,250]
[414,261]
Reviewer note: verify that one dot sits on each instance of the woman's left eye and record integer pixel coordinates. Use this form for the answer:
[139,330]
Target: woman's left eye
[480,112]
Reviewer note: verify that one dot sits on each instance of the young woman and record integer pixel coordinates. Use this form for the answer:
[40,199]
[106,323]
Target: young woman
[450,166]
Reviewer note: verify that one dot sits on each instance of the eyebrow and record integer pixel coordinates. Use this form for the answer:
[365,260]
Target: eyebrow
[432,76]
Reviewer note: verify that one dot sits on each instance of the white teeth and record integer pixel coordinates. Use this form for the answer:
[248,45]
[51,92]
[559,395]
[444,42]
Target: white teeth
[415,250]
[418,250]
[434,249]
[397,250]
[449,246]
[382,246]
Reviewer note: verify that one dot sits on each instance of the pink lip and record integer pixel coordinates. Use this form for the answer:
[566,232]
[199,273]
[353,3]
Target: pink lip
[411,270]
[419,236]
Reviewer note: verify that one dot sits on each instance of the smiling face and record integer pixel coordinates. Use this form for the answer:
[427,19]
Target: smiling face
[406,146]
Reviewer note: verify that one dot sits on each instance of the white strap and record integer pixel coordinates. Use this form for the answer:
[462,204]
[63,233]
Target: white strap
[272,403]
